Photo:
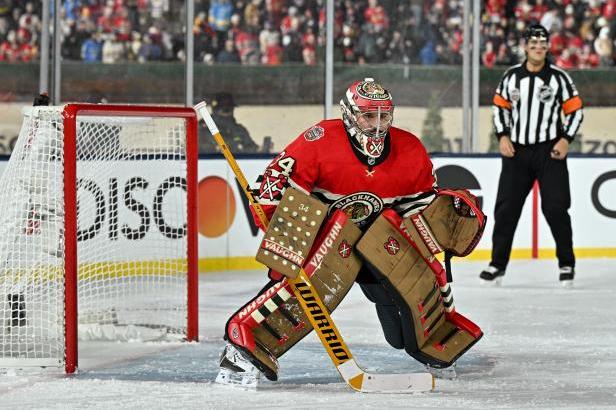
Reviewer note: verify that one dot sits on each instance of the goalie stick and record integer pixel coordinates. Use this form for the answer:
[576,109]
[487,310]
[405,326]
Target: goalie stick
[357,378]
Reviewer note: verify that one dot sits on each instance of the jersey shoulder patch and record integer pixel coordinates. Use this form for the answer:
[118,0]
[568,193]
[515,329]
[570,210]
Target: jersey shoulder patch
[314,133]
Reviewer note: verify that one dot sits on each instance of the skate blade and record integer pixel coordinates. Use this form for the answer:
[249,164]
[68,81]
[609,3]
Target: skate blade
[495,283]
[567,284]
[237,380]
[444,374]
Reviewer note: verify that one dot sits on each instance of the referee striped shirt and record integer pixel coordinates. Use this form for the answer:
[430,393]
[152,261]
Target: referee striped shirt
[527,105]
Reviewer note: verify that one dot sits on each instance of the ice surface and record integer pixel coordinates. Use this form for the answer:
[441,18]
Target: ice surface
[544,347]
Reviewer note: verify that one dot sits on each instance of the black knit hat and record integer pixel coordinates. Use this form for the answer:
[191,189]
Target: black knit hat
[223,100]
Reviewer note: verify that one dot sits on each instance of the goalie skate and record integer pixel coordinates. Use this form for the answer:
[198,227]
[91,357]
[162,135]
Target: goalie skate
[236,370]
[447,373]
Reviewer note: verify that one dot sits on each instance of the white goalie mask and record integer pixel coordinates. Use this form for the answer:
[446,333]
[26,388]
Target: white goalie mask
[367,113]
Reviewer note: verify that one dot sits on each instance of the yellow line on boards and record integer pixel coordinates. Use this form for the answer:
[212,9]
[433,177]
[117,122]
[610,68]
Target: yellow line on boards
[526,253]
[230,263]
[248,262]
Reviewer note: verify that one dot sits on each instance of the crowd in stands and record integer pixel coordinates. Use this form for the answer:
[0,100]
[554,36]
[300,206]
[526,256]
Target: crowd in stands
[272,32]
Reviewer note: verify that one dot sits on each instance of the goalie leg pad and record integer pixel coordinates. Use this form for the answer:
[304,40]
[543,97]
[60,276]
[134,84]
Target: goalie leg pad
[273,321]
[431,334]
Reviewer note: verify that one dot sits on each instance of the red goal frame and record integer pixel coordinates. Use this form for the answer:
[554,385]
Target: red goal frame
[69,114]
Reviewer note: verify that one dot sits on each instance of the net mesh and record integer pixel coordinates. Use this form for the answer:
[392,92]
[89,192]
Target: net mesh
[131,230]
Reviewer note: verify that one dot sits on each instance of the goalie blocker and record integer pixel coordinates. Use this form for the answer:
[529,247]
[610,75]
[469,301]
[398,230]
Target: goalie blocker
[400,254]
[273,321]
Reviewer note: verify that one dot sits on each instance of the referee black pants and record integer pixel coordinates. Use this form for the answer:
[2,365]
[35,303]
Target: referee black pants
[517,176]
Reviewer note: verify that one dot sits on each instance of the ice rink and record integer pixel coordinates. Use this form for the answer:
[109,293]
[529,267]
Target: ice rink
[544,347]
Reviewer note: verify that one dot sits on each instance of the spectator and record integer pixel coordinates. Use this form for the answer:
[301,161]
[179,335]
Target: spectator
[588,59]
[348,43]
[220,15]
[309,48]
[372,31]
[567,59]
[272,54]
[558,43]
[113,50]
[603,47]
[428,54]
[12,51]
[274,10]
[366,44]
[71,8]
[504,56]
[247,44]
[134,46]
[266,35]
[292,51]
[396,50]
[30,21]
[105,22]
[228,55]
[252,16]
[92,49]
[488,57]
[376,15]
[235,134]
[73,40]
[150,50]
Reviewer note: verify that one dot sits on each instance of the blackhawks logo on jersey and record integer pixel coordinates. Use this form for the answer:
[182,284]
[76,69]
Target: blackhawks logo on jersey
[361,207]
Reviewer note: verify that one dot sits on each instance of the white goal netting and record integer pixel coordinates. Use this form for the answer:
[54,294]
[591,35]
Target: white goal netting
[131,231]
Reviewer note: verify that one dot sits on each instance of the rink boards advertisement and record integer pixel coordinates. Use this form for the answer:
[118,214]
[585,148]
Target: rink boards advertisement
[229,239]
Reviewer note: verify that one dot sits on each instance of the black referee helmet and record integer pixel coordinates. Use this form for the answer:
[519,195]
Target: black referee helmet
[538,31]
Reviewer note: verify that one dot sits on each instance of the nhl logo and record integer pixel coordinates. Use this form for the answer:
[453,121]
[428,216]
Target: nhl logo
[344,250]
[515,95]
[314,133]
[546,94]
[392,246]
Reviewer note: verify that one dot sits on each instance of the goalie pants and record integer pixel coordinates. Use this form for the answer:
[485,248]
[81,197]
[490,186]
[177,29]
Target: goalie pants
[530,163]
[387,312]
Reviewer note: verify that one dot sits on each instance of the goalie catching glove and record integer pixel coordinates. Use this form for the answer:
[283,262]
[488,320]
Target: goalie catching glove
[452,223]
[400,254]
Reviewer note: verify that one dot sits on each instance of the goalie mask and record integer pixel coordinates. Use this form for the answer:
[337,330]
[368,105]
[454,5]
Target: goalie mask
[367,113]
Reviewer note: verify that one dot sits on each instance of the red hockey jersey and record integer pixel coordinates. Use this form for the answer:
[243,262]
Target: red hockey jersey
[324,162]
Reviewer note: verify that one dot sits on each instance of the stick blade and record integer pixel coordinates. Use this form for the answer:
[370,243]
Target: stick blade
[397,383]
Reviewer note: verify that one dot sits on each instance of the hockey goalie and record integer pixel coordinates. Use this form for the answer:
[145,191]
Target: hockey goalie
[356,201]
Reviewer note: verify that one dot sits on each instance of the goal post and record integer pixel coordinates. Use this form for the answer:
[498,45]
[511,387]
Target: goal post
[99,228]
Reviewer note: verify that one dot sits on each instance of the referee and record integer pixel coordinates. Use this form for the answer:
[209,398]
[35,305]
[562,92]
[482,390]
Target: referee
[534,139]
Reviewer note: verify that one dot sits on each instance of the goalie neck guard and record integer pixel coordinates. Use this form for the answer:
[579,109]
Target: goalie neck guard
[367,113]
